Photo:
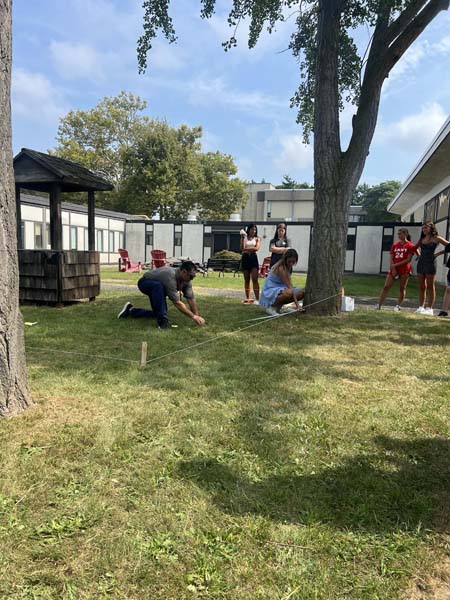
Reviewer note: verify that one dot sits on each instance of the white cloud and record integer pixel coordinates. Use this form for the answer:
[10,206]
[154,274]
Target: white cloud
[294,155]
[203,91]
[35,98]
[77,61]
[414,132]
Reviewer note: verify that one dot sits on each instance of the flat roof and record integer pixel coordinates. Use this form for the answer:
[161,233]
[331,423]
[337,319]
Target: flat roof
[432,168]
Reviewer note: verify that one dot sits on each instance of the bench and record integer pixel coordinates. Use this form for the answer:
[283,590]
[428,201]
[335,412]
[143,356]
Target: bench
[222,265]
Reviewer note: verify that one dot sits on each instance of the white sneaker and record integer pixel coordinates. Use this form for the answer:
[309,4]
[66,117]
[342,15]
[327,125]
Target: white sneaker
[428,311]
[272,311]
[125,310]
[397,308]
[256,302]
[420,310]
[288,309]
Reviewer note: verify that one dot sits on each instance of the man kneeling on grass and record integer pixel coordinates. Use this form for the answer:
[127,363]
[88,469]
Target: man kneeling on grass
[162,282]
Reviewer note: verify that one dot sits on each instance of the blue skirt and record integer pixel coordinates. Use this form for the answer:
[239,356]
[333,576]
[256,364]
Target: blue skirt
[273,286]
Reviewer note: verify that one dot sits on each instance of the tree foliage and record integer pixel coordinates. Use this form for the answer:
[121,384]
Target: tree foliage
[289,183]
[155,168]
[376,198]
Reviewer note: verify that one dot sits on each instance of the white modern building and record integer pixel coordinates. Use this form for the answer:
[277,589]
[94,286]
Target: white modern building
[367,244]
[268,203]
[425,195]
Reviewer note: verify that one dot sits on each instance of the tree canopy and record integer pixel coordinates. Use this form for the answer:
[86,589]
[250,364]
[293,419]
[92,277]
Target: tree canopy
[376,198]
[290,183]
[155,168]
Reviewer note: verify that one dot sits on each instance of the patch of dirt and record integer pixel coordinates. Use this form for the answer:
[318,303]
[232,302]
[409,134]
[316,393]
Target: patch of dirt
[435,587]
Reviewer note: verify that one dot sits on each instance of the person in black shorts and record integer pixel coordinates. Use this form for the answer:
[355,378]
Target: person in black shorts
[426,267]
[250,244]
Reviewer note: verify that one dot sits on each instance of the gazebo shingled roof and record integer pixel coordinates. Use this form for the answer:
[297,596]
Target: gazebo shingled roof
[38,171]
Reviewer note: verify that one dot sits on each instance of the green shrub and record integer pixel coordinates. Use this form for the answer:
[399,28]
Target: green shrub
[228,254]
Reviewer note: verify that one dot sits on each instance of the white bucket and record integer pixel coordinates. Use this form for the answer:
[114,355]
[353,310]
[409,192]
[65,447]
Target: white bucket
[347,304]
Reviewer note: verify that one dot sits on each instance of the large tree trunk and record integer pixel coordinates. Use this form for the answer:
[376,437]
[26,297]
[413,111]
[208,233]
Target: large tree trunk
[14,393]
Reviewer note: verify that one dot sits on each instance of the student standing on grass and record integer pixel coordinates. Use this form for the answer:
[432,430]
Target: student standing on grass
[446,300]
[279,244]
[159,283]
[250,244]
[278,289]
[426,267]
[401,255]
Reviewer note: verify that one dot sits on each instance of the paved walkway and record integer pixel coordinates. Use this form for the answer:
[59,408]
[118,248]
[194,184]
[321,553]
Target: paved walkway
[366,301]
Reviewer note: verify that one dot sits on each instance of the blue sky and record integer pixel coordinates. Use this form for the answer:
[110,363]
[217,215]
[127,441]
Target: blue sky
[69,55]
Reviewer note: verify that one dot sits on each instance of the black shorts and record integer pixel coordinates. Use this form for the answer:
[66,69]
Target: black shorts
[249,261]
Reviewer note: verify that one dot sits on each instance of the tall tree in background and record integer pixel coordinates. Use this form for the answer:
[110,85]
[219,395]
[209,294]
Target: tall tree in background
[97,138]
[289,183]
[375,200]
[14,393]
[332,73]
[218,193]
[160,170]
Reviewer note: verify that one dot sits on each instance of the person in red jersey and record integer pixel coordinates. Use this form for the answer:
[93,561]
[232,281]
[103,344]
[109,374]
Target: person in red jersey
[400,268]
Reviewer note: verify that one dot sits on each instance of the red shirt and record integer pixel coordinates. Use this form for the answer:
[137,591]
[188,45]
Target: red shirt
[399,253]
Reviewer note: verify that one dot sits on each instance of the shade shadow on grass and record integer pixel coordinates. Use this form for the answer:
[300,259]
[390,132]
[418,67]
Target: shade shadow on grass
[403,486]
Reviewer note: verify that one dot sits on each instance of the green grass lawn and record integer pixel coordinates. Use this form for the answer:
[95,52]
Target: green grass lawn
[302,458]
[354,285]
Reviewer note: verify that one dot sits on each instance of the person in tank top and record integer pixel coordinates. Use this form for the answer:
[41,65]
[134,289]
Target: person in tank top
[426,266]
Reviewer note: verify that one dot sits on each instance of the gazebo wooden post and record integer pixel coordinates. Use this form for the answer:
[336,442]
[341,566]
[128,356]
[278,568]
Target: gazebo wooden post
[91,221]
[55,218]
[18,219]
[56,236]
[91,226]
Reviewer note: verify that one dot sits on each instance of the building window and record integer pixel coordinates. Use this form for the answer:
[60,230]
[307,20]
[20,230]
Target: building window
[443,202]
[430,210]
[38,240]
[112,247]
[207,240]
[388,239]
[178,235]
[100,245]
[149,238]
[22,233]
[86,238]
[121,244]
[47,236]
[73,238]
[351,240]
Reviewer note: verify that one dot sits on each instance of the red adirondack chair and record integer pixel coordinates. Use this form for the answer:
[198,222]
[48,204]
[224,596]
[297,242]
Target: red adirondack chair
[126,264]
[264,268]
[158,259]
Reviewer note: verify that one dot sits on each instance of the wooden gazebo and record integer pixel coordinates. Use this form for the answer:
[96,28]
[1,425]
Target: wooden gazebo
[57,275]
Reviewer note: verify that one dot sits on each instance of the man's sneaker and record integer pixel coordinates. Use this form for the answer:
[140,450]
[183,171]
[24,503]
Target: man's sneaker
[420,310]
[256,302]
[428,311]
[272,311]
[164,324]
[397,308]
[443,313]
[125,310]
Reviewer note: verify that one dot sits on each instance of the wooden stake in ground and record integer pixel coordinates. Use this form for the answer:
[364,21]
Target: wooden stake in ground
[143,355]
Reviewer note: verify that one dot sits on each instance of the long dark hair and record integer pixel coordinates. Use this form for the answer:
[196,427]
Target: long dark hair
[291,253]
[433,230]
[406,232]
[249,226]
[275,237]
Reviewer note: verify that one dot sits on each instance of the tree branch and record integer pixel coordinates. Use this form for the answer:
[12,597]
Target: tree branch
[412,32]
[397,26]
